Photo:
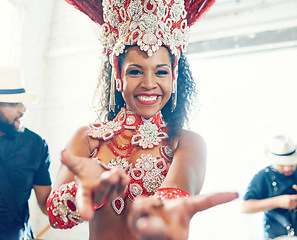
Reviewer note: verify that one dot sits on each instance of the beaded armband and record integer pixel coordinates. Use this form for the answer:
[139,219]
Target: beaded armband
[61,207]
[170,193]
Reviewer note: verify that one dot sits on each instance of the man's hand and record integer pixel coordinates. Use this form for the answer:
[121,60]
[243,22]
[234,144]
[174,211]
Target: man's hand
[287,201]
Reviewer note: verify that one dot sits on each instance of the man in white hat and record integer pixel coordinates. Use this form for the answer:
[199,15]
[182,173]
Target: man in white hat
[273,190]
[24,159]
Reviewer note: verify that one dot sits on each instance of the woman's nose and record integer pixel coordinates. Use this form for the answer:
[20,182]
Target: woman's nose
[149,82]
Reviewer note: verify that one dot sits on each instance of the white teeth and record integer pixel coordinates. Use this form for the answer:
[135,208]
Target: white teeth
[146,98]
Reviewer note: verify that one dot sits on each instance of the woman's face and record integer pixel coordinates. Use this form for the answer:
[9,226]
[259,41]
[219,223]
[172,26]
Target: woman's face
[147,81]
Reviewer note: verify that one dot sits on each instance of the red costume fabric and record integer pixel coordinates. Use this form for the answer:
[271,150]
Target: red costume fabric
[170,193]
[61,207]
[147,172]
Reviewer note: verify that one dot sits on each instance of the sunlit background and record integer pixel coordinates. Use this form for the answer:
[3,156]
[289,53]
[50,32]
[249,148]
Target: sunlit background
[243,55]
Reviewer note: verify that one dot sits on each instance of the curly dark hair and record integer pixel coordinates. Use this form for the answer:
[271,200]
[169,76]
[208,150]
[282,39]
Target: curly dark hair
[187,96]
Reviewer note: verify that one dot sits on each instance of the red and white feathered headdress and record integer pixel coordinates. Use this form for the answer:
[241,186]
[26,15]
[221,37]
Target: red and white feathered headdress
[146,23]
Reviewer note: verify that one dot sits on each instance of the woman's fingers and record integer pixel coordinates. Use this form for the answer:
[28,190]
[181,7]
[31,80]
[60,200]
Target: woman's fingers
[151,219]
[151,228]
[94,183]
[169,220]
[113,183]
[85,201]
[144,208]
[95,189]
[122,186]
[143,221]
[203,202]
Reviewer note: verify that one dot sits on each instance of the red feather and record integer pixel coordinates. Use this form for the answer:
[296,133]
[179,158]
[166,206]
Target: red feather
[92,8]
[196,8]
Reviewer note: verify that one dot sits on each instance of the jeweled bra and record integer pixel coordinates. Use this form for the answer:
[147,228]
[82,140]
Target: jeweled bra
[148,172]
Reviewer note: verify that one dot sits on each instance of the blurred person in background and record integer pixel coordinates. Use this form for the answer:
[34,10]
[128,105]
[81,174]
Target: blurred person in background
[24,159]
[273,190]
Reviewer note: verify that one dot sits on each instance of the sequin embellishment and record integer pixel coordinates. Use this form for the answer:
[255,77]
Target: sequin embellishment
[148,136]
[147,175]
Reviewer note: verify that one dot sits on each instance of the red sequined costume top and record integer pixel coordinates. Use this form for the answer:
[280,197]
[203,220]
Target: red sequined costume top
[147,160]
[147,171]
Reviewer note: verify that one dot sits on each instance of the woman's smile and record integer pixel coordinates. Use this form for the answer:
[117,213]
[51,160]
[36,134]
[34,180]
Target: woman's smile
[147,99]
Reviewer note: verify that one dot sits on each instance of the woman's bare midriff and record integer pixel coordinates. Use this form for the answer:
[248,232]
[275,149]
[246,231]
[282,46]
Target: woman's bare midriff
[108,225]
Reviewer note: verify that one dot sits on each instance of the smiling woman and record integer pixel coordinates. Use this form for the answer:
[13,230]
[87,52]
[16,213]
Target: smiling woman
[141,164]
[243,97]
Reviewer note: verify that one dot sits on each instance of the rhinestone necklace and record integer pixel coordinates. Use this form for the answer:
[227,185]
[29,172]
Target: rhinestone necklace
[148,133]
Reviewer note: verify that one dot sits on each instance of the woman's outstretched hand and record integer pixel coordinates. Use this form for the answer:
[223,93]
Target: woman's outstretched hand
[95,184]
[149,217]
[152,219]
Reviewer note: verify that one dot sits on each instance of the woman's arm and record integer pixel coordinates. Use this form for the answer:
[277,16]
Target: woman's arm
[169,220]
[82,181]
[95,184]
[187,170]
[80,145]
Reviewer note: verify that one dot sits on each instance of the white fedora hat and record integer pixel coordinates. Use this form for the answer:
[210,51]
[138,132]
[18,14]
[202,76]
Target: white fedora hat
[12,86]
[281,150]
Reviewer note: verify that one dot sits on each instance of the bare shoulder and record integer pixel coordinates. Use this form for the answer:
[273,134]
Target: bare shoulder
[191,148]
[81,143]
[80,136]
[190,144]
[81,132]
[190,138]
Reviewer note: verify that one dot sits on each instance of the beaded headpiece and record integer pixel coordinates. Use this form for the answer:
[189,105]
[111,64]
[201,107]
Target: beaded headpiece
[146,23]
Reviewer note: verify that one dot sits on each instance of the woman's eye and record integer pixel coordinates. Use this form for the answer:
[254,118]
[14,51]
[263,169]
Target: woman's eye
[162,72]
[134,72]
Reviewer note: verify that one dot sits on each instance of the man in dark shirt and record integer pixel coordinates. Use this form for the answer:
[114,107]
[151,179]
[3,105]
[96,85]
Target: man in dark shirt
[274,190]
[24,159]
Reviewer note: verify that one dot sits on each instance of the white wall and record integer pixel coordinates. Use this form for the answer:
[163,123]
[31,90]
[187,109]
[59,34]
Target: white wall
[72,62]
[245,99]
[58,50]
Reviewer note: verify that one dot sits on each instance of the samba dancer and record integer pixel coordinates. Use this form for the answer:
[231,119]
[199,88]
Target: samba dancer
[142,150]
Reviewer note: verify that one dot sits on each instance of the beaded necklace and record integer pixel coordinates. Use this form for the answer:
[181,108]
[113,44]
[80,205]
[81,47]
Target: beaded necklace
[148,132]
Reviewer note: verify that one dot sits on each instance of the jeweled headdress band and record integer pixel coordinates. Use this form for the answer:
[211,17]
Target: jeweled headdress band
[148,24]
